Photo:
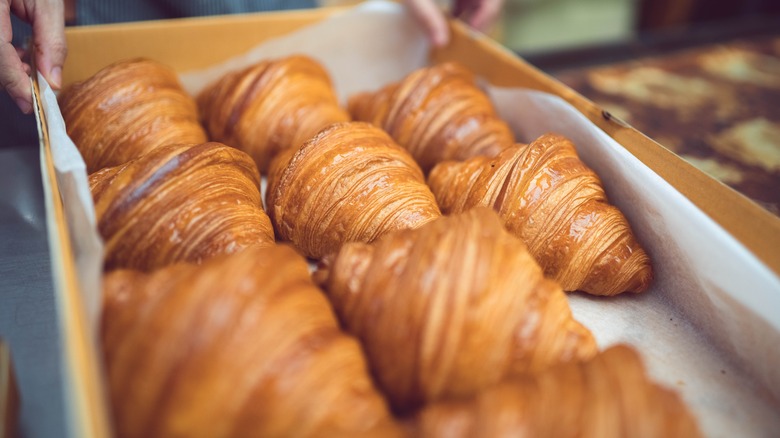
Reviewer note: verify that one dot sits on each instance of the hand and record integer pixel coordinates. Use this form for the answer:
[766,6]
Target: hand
[49,49]
[479,14]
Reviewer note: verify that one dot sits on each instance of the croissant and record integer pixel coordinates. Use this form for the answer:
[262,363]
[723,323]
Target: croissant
[243,345]
[556,205]
[179,203]
[270,106]
[350,182]
[608,396]
[126,110]
[450,308]
[437,113]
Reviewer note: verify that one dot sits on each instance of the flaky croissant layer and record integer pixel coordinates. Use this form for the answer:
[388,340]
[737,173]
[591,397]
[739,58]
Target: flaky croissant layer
[451,308]
[550,199]
[127,110]
[179,203]
[244,345]
[608,396]
[350,182]
[437,113]
[270,106]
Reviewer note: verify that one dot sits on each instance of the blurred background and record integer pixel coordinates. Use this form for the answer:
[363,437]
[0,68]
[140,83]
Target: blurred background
[700,77]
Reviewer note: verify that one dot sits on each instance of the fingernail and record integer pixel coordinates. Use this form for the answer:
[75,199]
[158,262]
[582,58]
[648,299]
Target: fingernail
[24,105]
[56,77]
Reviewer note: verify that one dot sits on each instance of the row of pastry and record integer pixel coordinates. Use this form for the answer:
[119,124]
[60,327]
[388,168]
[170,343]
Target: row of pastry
[352,181]
[413,324]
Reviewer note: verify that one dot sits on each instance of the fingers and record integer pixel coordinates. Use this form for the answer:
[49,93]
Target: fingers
[432,18]
[463,8]
[12,73]
[13,77]
[49,40]
[485,14]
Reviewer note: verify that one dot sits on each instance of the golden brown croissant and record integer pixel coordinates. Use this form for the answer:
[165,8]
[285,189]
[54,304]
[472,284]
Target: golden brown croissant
[270,106]
[556,205]
[243,345]
[451,308]
[126,110]
[179,203]
[608,396]
[438,114]
[351,182]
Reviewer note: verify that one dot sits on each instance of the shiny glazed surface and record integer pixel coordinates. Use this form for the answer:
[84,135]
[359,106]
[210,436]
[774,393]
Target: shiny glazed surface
[270,106]
[126,110]
[351,182]
[437,113]
[608,396]
[179,203]
[244,345]
[451,308]
[556,205]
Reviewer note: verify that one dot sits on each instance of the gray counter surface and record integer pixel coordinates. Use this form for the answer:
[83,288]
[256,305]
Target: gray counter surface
[27,308]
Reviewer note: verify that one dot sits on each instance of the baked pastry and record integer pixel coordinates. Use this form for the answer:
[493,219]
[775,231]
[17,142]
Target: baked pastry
[243,345]
[179,203]
[437,113]
[126,110]
[451,308]
[556,205]
[350,182]
[270,106]
[609,396]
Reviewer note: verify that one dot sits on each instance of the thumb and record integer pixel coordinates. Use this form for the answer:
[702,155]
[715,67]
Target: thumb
[49,40]
[432,18]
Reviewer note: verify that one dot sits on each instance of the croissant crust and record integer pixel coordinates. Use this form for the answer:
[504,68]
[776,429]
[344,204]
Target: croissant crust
[437,113]
[557,206]
[608,396]
[270,106]
[450,308]
[126,110]
[351,182]
[179,203]
[244,345]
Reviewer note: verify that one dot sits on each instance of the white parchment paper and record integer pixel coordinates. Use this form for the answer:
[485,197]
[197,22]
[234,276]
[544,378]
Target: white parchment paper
[71,173]
[710,324]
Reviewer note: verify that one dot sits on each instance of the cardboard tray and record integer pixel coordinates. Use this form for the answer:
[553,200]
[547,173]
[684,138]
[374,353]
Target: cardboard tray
[196,43]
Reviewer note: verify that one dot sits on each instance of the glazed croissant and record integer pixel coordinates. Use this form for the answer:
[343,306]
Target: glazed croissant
[270,106]
[607,397]
[437,113]
[556,205]
[126,110]
[243,345]
[451,308]
[351,182]
[179,203]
